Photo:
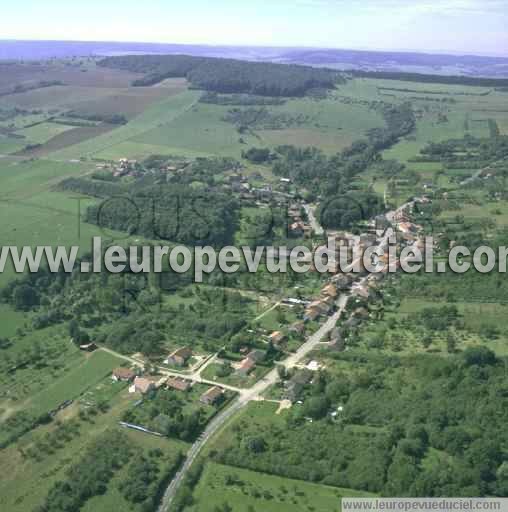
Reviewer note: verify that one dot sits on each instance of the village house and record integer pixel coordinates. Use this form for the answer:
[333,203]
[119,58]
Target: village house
[178,384]
[337,341]
[295,385]
[277,337]
[407,227]
[362,292]
[338,345]
[212,396]
[294,211]
[257,356]
[401,215]
[368,240]
[245,367]
[307,231]
[324,306]
[330,290]
[342,281]
[381,223]
[123,375]
[143,385]
[179,357]
[296,229]
[311,314]
[297,328]
[362,313]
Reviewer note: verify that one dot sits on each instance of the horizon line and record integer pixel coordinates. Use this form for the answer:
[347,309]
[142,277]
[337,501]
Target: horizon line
[449,53]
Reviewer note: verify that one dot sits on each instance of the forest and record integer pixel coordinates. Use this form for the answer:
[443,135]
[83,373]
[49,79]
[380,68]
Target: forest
[396,433]
[161,212]
[227,75]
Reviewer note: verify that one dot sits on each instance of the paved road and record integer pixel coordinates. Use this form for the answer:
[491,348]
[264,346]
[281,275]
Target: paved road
[246,396]
[195,449]
[317,228]
[255,392]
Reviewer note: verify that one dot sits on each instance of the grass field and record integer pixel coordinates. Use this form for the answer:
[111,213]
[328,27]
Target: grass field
[330,125]
[247,490]
[73,384]
[200,129]
[41,133]
[10,145]
[10,320]
[180,125]
[153,117]
[38,215]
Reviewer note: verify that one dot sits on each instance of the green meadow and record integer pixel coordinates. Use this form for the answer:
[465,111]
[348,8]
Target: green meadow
[246,491]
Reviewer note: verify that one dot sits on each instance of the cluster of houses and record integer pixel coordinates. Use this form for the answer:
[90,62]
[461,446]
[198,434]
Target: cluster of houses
[144,385]
[323,305]
[132,168]
[297,226]
[124,167]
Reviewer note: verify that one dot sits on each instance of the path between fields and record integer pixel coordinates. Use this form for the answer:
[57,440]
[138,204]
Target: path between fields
[276,305]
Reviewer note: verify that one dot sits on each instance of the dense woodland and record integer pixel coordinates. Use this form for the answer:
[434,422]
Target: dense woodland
[227,75]
[162,212]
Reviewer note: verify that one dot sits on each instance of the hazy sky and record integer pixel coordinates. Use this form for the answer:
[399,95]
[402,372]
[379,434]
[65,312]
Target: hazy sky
[459,26]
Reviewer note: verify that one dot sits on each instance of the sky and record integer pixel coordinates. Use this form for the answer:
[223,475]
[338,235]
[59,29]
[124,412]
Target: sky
[478,27]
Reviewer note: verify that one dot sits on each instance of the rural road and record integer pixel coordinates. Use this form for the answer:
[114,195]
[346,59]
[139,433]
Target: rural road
[254,392]
[479,172]
[245,397]
[310,211]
